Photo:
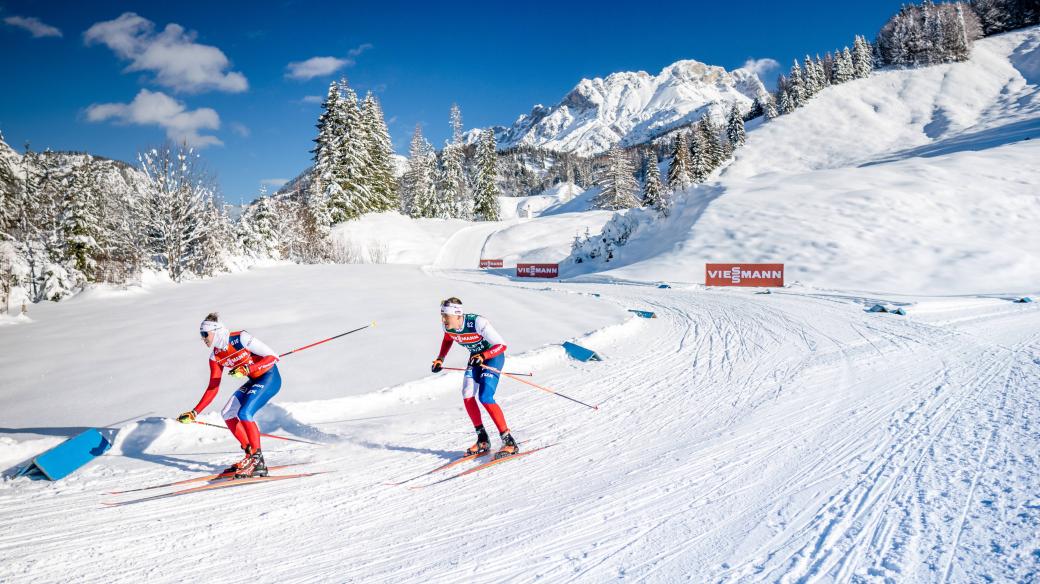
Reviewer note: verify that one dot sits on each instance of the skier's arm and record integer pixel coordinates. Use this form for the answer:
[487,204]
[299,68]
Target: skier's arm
[445,347]
[498,344]
[215,371]
[257,347]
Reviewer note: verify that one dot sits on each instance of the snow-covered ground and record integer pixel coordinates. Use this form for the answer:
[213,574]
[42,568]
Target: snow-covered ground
[920,180]
[740,437]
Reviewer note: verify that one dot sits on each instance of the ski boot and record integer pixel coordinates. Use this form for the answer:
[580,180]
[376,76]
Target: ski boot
[254,466]
[509,447]
[234,468]
[483,444]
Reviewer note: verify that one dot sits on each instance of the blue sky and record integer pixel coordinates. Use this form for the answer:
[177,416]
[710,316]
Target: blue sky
[88,76]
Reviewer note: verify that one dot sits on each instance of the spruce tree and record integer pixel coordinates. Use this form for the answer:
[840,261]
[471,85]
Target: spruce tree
[769,105]
[354,163]
[711,141]
[796,88]
[327,177]
[735,128]
[700,161]
[453,178]
[653,193]
[80,225]
[619,186]
[862,57]
[680,175]
[420,178]
[843,67]
[485,196]
[383,194]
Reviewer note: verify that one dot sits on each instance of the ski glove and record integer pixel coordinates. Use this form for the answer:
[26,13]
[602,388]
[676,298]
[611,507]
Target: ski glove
[438,365]
[240,371]
[476,360]
[187,417]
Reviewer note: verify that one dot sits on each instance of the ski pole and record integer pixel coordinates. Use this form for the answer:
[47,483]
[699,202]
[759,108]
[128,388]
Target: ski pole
[305,347]
[505,373]
[535,385]
[266,435]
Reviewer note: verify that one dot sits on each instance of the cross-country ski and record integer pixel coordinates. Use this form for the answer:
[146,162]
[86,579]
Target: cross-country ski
[577,293]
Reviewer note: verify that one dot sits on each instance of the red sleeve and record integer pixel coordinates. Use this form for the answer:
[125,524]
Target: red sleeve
[445,346]
[215,371]
[262,365]
[494,351]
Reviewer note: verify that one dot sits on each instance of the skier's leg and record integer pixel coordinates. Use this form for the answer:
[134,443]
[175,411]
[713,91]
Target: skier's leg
[469,399]
[230,414]
[258,392]
[488,383]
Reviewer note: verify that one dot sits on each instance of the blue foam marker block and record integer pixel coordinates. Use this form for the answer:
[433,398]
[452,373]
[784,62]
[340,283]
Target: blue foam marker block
[643,313]
[663,286]
[580,353]
[62,460]
[1024,300]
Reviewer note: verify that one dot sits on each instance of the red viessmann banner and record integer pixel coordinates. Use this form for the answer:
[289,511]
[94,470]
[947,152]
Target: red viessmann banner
[538,270]
[490,263]
[759,275]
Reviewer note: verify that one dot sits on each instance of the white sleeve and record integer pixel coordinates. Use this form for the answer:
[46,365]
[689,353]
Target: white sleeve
[487,331]
[255,345]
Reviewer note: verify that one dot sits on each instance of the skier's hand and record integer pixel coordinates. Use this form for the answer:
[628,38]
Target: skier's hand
[476,360]
[240,371]
[187,417]
[438,365]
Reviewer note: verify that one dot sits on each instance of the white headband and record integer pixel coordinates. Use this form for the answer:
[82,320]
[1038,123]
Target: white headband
[455,309]
[218,330]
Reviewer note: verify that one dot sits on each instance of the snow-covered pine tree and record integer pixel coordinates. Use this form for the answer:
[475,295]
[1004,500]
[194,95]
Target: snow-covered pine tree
[843,68]
[259,228]
[654,195]
[80,225]
[354,162]
[700,161]
[769,106]
[796,86]
[420,178]
[327,176]
[680,175]
[862,57]
[619,186]
[711,142]
[821,72]
[812,84]
[735,128]
[485,196]
[382,182]
[453,177]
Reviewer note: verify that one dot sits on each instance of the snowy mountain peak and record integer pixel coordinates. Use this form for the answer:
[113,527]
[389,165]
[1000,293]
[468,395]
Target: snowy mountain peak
[630,107]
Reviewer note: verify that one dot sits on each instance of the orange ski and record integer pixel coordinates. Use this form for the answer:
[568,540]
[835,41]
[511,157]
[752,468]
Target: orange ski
[212,486]
[483,466]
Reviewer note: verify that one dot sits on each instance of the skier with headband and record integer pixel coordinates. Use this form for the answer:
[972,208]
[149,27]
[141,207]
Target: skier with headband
[247,357]
[487,356]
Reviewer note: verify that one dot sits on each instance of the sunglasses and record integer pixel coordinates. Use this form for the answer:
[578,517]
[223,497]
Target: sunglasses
[204,334]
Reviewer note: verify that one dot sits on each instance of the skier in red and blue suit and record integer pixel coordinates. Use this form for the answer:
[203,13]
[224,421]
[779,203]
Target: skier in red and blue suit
[246,356]
[486,347]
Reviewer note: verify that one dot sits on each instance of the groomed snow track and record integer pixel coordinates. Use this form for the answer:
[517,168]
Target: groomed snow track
[789,437]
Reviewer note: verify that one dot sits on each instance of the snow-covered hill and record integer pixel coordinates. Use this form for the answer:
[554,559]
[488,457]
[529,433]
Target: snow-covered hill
[630,108]
[917,180]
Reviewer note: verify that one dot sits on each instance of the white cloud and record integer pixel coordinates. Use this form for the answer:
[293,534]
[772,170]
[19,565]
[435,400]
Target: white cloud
[312,99]
[34,25]
[156,108]
[760,66]
[314,67]
[358,50]
[321,66]
[240,129]
[274,182]
[172,54]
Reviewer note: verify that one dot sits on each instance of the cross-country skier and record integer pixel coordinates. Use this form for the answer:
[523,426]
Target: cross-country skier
[246,356]
[485,346]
